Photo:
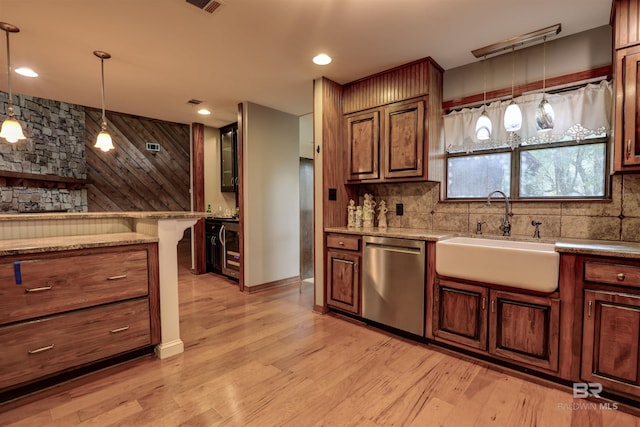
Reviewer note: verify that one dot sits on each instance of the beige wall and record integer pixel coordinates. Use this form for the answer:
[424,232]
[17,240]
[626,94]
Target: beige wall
[578,52]
[271,199]
[212,194]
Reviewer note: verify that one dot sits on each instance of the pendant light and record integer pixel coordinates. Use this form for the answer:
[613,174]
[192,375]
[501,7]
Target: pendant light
[512,115]
[103,141]
[483,125]
[11,129]
[544,114]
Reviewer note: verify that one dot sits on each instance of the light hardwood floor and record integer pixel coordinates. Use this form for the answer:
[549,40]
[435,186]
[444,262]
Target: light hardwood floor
[267,360]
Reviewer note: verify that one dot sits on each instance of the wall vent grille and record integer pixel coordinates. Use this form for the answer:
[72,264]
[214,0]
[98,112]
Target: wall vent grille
[206,5]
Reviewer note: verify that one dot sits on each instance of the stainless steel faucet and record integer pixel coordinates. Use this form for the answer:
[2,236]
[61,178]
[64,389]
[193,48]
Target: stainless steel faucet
[505,224]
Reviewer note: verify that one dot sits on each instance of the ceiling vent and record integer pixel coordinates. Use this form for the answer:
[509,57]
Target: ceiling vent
[194,102]
[206,5]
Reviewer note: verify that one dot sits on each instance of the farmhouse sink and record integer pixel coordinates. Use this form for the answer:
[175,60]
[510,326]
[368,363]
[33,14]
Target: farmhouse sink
[525,265]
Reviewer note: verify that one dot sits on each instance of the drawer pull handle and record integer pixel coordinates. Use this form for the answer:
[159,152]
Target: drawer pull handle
[341,243]
[115,331]
[41,349]
[121,276]
[43,288]
[621,276]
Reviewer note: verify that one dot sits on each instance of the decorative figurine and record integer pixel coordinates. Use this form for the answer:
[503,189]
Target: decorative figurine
[368,211]
[382,214]
[359,217]
[351,214]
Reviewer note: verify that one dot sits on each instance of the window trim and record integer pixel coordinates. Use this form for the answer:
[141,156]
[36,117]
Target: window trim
[515,170]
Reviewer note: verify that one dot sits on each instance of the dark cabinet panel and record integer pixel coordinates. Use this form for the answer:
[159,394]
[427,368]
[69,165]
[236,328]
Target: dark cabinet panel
[229,158]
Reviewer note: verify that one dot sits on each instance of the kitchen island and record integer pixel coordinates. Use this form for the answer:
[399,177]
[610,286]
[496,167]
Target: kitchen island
[23,234]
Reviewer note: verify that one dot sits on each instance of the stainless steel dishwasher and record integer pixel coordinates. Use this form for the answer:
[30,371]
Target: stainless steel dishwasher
[393,282]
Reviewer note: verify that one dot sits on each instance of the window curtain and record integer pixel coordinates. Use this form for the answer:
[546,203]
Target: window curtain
[579,114]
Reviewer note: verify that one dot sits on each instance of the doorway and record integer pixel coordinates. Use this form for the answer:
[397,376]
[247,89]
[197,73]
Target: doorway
[306,219]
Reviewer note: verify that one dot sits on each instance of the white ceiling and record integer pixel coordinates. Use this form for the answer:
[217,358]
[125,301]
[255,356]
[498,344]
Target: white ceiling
[165,52]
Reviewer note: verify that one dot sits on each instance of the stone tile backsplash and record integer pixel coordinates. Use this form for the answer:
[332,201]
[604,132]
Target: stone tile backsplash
[618,219]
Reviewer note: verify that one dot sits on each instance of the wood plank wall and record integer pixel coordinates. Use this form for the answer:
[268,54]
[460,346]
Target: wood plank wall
[334,153]
[130,178]
[397,84]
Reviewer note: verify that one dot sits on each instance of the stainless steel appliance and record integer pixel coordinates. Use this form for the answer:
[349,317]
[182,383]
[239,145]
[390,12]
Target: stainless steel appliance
[229,235]
[393,282]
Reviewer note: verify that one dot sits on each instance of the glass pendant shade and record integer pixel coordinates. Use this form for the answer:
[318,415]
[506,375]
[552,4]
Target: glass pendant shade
[544,116]
[483,127]
[512,117]
[11,130]
[104,141]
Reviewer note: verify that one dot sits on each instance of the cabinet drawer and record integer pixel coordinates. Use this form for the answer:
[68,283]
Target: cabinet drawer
[52,285]
[53,344]
[338,241]
[612,274]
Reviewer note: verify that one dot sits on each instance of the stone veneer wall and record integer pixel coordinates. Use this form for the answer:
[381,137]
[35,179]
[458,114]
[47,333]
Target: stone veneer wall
[54,146]
[618,219]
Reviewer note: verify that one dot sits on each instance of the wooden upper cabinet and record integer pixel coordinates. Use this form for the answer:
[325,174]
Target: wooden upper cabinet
[627,111]
[404,140]
[394,125]
[626,23]
[363,145]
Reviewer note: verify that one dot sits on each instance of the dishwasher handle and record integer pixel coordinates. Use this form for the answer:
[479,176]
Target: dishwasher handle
[391,248]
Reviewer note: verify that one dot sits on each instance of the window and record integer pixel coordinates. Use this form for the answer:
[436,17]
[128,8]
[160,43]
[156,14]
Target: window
[570,162]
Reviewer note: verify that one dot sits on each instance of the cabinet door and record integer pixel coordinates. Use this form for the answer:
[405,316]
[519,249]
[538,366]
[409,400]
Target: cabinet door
[228,158]
[404,140]
[610,349]
[525,328]
[363,143]
[343,278]
[459,314]
[627,141]
[626,23]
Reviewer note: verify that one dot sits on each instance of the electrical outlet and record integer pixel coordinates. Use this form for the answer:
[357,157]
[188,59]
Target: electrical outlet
[333,194]
[399,209]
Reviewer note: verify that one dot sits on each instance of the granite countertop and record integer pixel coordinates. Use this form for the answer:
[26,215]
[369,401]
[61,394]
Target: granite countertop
[599,248]
[97,215]
[400,233]
[569,246]
[64,243]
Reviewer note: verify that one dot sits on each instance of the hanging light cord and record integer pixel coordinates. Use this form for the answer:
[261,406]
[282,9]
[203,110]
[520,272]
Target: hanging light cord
[513,68]
[484,80]
[9,75]
[104,119]
[544,66]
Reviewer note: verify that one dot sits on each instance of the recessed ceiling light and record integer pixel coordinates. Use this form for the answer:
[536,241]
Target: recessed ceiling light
[27,72]
[204,112]
[322,59]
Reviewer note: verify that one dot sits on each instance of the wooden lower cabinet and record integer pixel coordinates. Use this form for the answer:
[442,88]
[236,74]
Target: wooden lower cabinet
[516,327]
[525,328]
[610,347]
[459,313]
[343,281]
[54,344]
[64,310]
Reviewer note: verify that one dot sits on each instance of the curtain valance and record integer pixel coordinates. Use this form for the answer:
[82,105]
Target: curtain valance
[579,114]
